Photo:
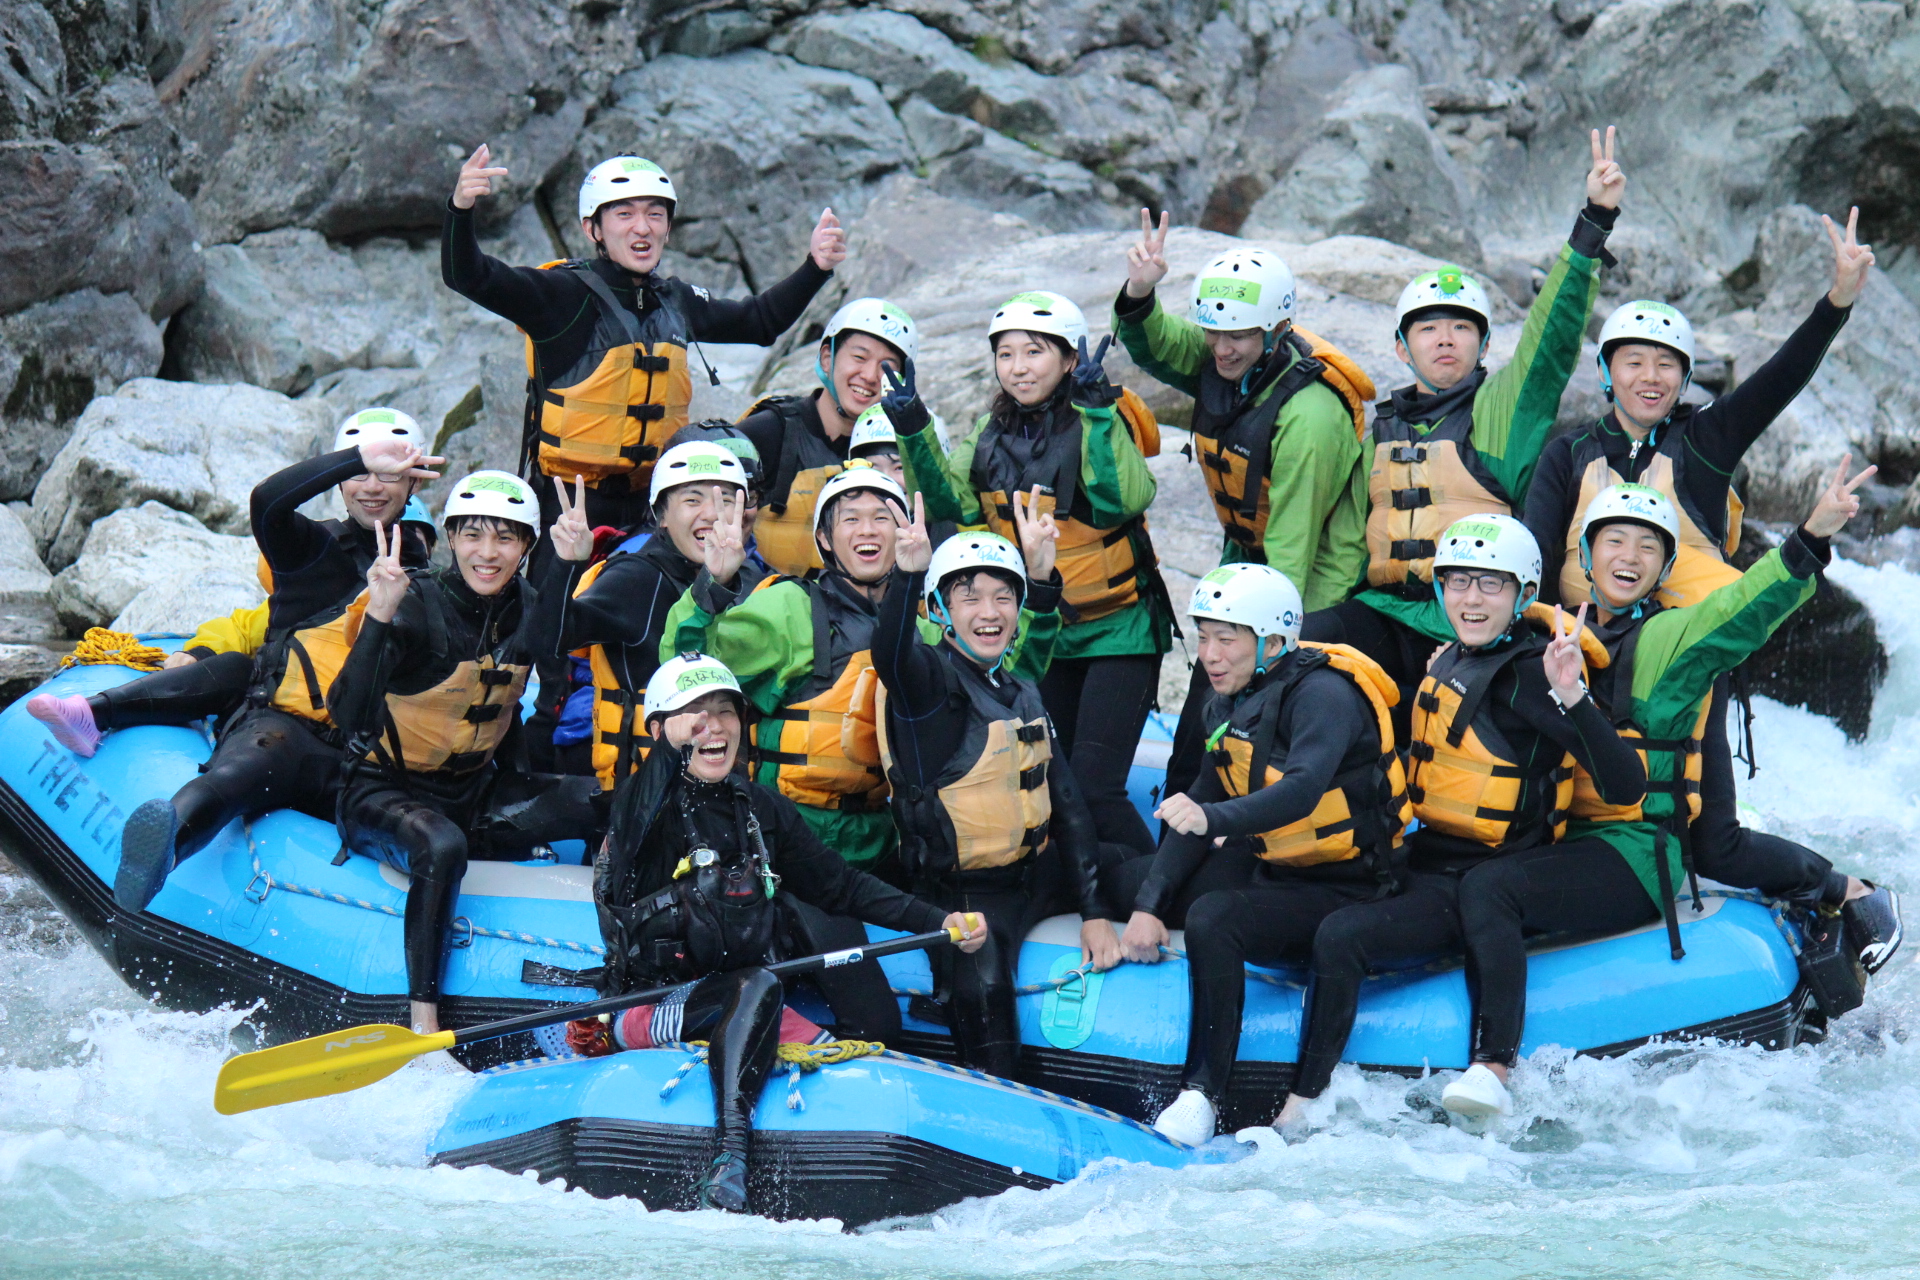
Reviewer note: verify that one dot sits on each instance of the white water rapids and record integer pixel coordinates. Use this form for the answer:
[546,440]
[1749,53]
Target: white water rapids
[1672,1161]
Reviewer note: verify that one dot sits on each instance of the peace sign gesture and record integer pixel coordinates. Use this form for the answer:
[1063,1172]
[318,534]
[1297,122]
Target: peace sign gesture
[476,178]
[1562,660]
[1851,260]
[1605,182]
[1038,534]
[572,535]
[1838,502]
[724,549]
[912,549]
[387,579]
[1146,261]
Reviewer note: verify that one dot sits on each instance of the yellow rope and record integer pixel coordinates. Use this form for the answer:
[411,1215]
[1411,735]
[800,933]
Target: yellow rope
[812,1057]
[101,646]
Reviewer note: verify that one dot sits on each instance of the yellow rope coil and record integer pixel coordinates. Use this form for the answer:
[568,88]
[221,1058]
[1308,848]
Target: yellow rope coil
[101,646]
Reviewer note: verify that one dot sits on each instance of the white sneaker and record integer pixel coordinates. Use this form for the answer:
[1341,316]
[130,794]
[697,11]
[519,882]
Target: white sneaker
[1190,1119]
[1478,1092]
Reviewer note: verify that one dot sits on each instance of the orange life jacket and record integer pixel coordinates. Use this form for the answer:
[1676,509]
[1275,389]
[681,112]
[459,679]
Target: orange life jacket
[1418,485]
[822,748]
[1700,566]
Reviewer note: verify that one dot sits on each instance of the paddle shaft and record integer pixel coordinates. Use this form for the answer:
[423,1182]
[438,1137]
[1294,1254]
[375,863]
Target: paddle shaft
[613,1004]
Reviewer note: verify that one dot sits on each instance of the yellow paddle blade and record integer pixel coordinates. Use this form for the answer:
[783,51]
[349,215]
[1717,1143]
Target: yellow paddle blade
[319,1066]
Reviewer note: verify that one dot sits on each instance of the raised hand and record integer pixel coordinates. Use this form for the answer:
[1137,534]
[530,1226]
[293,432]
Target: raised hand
[1144,937]
[1605,181]
[724,549]
[387,579]
[1183,814]
[828,244]
[902,390]
[685,728]
[1562,659]
[1146,261]
[1039,534]
[1852,261]
[572,535]
[1838,503]
[476,178]
[912,549]
[1090,385]
[392,457]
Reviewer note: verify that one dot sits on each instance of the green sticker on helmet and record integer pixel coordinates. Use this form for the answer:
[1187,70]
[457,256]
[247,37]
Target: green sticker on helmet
[1645,493]
[1223,574]
[700,465]
[1484,530]
[694,677]
[376,415]
[1226,288]
[641,166]
[496,484]
[1038,301]
[1450,279]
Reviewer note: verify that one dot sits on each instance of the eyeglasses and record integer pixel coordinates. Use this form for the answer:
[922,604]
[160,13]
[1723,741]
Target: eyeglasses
[1458,580]
[384,477]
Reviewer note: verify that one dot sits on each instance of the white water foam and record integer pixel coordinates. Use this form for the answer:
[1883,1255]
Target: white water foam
[1671,1161]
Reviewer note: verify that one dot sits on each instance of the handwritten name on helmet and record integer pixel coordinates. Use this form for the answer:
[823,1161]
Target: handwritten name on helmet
[493,484]
[1247,291]
[694,677]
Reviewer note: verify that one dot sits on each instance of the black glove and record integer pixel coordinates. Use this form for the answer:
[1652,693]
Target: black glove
[1090,385]
[902,401]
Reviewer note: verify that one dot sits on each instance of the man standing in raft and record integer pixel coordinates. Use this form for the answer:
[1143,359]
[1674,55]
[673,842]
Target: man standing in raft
[1461,441]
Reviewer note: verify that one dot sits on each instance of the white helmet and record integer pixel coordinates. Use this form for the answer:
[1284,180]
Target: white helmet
[873,427]
[964,551]
[686,678]
[1040,312]
[858,475]
[1495,542]
[499,494]
[625,178]
[1630,504]
[1448,287]
[1647,321]
[378,424]
[881,319]
[1244,289]
[695,462]
[1255,596]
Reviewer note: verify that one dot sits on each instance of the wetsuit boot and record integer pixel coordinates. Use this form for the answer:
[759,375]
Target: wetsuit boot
[740,1053]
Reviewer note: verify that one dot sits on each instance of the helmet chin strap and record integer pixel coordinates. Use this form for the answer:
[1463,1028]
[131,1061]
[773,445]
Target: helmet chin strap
[1606,389]
[938,610]
[1261,663]
[826,379]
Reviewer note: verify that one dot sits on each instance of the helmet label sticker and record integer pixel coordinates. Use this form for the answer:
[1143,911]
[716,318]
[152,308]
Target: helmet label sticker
[513,489]
[640,166]
[1229,289]
[1038,301]
[694,677]
[1475,529]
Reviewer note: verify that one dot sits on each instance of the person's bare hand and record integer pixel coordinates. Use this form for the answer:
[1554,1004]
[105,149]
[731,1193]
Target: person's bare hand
[572,535]
[476,177]
[1147,260]
[178,658]
[1606,182]
[724,549]
[1563,661]
[912,548]
[973,929]
[1180,812]
[1039,534]
[1099,945]
[395,457]
[387,579]
[1144,937]
[828,244]
[1838,503]
[1852,261]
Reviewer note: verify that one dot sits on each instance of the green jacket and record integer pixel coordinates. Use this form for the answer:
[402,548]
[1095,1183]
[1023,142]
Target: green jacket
[1317,496]
[1515,408]
[1681,652]
[766,640]
[1117,485]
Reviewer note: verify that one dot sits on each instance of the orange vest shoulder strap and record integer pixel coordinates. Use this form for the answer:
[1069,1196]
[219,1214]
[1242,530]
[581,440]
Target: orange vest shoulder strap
[1142,425]
[1346,377]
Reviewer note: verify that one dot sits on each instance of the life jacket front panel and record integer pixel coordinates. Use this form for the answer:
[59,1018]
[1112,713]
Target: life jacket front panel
[1417,487]
[783,530]
[457,725]
[1700,566]
[823,748]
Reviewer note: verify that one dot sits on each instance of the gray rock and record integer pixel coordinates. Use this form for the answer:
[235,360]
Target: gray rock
[179,602]
[1008,177]
[198,449]
[55,357]
[32,75]
[23,666]
[935,133]
[903,55]
[133,551]
[1374,169]
[1294,92]
[26,607]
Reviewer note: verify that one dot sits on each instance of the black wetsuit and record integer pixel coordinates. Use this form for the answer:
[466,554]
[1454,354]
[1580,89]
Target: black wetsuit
[1266,913]
[660,815]
[1530,886]
[928,712]
[430,823]
[265,759]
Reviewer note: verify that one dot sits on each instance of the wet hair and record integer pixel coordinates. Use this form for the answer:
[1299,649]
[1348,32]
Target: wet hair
[500,527]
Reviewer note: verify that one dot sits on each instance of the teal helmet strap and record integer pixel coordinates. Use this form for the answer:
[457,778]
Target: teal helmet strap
[937,607]
[826,379]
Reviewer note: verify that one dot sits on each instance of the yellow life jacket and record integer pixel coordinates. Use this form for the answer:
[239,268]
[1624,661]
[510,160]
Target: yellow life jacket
[620,741]
[989,806]
[1363,811]
[1100,569]
[1418,485]
[309,661]
[823,747]
[1700,566]
[1615,696]
[783,531]
[457,725]
[1235,447]
[611,413]
[1463,776]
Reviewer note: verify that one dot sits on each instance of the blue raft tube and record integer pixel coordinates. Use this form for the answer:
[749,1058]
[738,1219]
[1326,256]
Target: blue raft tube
[265,915]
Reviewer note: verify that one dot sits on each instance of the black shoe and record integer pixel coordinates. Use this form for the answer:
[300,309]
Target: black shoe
[725,1186]
[1873,926]
[146,854]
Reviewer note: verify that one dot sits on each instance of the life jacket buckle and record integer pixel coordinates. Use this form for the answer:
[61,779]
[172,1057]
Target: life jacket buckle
[1406,453]
[1412,499]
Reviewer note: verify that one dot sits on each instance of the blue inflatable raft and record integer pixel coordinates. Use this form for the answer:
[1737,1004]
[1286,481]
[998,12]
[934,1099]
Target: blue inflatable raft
[264,916]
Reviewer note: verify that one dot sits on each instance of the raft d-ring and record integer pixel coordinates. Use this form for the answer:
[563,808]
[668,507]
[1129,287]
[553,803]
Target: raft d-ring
[1075,975]
[264,881]
[460,932]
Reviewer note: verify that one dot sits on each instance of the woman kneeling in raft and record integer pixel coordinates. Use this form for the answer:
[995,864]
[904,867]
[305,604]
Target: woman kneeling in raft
[1304,779]
[687,836]
[1499,722]
[427,698]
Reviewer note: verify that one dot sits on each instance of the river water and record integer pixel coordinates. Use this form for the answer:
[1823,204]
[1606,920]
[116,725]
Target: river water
[1671,1161]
